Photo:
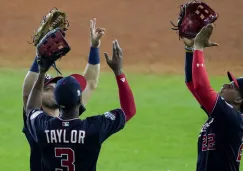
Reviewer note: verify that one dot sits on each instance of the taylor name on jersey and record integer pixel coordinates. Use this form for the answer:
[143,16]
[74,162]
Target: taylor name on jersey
[60,136]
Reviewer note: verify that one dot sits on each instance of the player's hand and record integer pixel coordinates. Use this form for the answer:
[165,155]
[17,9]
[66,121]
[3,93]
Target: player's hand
[44,64]
[188,42]
[95,33]
[115,62]
[202,39]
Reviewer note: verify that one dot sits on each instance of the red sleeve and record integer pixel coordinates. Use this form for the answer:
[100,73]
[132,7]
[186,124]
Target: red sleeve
[190,86]
[201,82]
[126,97]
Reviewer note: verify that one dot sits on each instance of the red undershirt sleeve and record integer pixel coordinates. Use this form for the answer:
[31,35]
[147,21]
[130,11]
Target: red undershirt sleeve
[202,87]
[188,74]
[126,97]
[190,86]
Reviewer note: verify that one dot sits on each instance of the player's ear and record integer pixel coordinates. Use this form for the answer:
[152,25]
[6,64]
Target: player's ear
[238,100]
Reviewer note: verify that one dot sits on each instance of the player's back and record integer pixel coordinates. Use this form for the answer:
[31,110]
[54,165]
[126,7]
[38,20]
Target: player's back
[74,144]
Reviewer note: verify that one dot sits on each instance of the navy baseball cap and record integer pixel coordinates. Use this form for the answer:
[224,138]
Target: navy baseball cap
[49,79]
[238,81]
[69,89]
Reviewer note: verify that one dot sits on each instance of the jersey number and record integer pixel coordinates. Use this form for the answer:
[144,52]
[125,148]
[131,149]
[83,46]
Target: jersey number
[240,153]
[208,142]
[68,161]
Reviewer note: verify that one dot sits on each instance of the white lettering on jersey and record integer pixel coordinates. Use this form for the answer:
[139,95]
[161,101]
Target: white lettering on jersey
[73,136]
[47,137]
[53,136]
[110,115]
[81,136]
[60,136]
[59,132]
[64,136]
[206,125]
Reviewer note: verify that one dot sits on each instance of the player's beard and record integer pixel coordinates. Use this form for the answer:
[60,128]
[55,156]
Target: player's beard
[53,105]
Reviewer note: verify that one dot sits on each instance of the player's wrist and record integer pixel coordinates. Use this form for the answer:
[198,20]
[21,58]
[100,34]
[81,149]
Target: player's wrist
[198,46]
[42,74]
[189,49]
[94,55]
[34,67]
[118,72]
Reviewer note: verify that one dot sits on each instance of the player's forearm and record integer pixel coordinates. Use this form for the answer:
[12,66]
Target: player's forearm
[188,74]
[91,74]
[35,97]
[201,82]
[29,81]
[92,70]
[188,66]
[126,96]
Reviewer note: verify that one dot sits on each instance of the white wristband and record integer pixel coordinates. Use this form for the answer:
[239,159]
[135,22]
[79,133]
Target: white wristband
[189,48]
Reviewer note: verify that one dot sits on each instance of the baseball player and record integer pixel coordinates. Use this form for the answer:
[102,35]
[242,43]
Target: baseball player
[66,142]
[49,104]
[220,140]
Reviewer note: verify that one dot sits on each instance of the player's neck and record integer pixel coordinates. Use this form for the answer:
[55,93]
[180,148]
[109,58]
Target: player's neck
[237,107]
[51,112]
[69,114]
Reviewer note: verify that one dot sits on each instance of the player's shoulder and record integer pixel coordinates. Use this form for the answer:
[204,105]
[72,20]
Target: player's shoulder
[110,115]
[222,106]
[34,113]
[221,102]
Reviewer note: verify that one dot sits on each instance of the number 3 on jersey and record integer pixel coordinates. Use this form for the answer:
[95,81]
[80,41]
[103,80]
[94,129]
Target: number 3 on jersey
[208,142]
[68,161]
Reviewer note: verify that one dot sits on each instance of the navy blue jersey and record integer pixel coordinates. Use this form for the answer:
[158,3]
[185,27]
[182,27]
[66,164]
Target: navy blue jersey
[220,140]
[35,155]
[69,145]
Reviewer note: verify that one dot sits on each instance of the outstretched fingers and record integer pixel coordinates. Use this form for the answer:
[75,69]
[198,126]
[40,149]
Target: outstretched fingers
[119,50]
[107,58]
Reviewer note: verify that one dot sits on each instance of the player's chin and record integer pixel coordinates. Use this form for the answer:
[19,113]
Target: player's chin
[53,104]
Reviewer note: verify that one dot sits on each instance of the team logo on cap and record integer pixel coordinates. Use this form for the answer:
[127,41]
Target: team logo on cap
[78,92]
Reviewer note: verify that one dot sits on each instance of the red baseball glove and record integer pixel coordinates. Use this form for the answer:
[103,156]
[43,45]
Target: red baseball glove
[193,17]
[52,47]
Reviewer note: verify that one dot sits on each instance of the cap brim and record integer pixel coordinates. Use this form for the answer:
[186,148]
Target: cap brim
[53,80]
[232,78]
[82,81]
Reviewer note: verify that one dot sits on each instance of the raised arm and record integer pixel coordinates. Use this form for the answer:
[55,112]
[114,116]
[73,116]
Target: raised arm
[125,93]
[188,73]
[29,81]
[92,70]
[200,78]
[115,120]
[35,97]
